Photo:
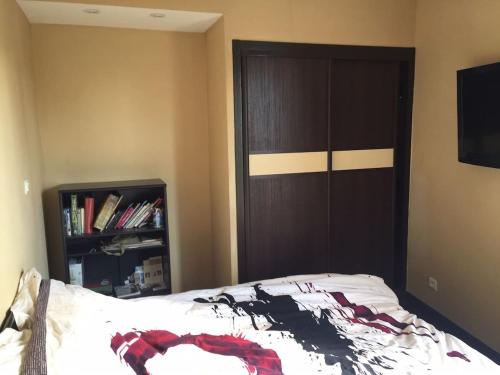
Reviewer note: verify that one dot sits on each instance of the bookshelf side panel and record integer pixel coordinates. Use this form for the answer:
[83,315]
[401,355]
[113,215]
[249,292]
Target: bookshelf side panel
[54,234]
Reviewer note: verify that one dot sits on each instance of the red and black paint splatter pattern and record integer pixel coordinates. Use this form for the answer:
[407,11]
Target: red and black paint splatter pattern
[136,348]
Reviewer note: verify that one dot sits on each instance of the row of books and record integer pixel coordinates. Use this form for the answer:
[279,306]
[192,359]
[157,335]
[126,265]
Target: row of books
[80,220]
[136,215]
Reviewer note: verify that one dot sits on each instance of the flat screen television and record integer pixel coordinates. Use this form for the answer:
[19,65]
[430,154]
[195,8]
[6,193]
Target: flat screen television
[479,115]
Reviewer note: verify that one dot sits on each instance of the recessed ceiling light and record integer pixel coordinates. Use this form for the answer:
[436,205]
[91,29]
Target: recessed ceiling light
[92,11]
[157,15]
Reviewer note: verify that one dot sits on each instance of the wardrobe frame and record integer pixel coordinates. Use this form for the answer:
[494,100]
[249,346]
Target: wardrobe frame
[402,141]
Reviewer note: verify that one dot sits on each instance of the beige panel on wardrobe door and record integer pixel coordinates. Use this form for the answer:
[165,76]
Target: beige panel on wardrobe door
[362,159]
[286,163]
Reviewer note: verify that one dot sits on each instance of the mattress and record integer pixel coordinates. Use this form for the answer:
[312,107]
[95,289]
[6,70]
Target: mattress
[309,324]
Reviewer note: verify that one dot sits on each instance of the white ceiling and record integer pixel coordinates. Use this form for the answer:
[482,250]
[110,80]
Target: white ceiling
[61,13]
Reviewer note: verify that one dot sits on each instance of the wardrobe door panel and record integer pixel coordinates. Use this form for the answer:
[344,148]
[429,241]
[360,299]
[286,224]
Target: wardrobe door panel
[287,104]
[364,117]
[362,222]
[364,104]
[288,225]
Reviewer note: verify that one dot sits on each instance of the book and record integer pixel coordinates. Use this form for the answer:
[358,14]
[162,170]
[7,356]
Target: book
[143,215]
[126,214]
[81,220]
[114,219]
[89,215]
[131,214]
[74,214]
[138,215]
[133,217]
[109,221]
[147,214]
[67,221]
[78,231]
[106,211]
[143,243]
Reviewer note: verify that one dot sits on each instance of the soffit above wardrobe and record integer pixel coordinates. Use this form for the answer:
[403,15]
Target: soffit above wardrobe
[60,13]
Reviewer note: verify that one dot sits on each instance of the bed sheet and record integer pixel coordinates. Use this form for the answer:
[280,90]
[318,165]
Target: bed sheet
[310,324]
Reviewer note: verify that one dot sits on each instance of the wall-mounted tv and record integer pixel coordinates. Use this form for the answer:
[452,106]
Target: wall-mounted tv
[479,115]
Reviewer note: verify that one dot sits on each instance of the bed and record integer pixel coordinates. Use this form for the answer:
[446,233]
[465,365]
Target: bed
[310,324]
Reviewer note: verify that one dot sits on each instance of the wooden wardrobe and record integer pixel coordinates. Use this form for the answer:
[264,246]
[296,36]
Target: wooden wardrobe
[323,136]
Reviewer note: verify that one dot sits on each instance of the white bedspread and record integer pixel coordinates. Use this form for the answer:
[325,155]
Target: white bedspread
[317,324]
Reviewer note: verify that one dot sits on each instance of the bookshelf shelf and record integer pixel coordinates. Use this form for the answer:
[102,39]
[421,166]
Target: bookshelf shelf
[97,267]
[128,251]
[114,232]
[148,293]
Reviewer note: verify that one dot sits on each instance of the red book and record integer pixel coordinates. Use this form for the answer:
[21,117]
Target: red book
[89,215]
[128,212]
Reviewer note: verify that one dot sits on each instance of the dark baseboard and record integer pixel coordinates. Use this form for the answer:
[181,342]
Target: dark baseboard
[414,305]
[8,322]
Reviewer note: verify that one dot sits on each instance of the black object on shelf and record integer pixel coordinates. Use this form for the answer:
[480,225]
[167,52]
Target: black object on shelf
[97,266]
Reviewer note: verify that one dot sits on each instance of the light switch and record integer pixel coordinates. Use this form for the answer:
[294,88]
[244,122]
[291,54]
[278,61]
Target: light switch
[26,186]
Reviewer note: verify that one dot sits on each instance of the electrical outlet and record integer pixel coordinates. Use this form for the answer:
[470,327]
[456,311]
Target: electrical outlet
[433,284]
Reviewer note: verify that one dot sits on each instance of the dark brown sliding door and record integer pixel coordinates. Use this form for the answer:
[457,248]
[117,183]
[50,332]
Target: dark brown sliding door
[362,223]
[364,104]
[288,230]
[287,104]
[287,112]
[322,146]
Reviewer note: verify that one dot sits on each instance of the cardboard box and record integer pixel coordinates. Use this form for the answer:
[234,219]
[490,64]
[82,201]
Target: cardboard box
[153,271]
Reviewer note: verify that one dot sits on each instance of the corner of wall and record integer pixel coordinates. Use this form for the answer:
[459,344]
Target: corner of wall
[219,167]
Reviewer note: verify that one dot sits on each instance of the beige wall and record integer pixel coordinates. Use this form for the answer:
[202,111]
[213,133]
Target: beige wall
[454,208]
[116,104]
[22,242]
[359,22]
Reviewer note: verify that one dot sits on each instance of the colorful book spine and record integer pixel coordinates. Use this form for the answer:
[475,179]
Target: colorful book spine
[67,221]
[136,210]
[137,215]
[82,220]
[89,214]
[145,217]
[114,219]
[78,222]
[126,214]
[74,214]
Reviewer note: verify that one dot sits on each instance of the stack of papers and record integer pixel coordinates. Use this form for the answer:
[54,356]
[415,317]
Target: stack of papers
[121,243]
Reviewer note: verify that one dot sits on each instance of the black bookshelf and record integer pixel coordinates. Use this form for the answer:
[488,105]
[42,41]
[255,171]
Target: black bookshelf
[98,266]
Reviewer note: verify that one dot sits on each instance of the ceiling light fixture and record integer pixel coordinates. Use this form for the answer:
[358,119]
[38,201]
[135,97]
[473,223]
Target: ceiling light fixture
[157,15]
[92,11]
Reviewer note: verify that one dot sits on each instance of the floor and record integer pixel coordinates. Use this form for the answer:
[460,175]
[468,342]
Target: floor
[424,311]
